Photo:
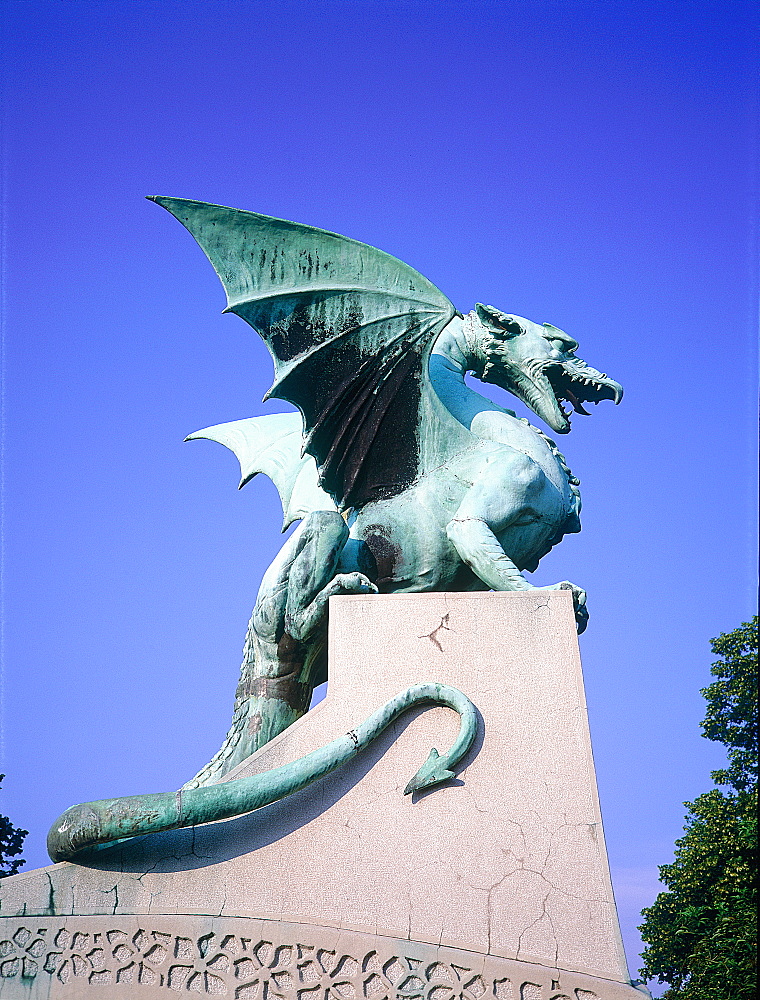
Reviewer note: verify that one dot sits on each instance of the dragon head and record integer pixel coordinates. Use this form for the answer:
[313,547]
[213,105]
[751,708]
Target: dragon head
[535,363]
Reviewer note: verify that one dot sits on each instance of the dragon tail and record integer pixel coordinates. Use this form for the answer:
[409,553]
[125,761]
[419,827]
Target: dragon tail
[91,825]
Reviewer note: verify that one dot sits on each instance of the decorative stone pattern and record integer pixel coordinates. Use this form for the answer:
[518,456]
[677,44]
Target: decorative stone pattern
[237,966]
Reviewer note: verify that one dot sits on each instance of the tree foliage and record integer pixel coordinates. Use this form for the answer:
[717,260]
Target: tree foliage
[11,845]
[701,934]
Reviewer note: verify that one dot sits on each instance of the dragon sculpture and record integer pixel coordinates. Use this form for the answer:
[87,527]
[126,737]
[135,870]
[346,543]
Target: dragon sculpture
[403,477]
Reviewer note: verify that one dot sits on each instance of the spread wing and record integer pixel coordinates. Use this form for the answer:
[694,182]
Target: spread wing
[272,444]
[349,328]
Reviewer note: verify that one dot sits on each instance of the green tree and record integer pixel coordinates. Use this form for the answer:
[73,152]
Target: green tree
[11,845]
[701,934]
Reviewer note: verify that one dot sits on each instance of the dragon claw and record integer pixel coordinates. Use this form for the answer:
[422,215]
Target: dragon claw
[354,583]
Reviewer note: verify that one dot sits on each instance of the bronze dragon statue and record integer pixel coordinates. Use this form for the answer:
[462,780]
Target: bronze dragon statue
[403,477]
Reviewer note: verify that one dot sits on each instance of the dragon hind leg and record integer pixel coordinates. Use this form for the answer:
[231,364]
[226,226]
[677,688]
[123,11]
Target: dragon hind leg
[284,654]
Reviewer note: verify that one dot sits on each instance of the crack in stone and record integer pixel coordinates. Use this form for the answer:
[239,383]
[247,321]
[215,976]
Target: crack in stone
[538,919]
[564,892]
[171,857]
[51,895]
[556,939]
[202,857]
[522,867]
[489,907]
[475,806]
[152,895]
[365,804]
[432,635]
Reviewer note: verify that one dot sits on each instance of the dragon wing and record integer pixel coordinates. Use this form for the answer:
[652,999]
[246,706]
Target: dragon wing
[272,445]
[349,328]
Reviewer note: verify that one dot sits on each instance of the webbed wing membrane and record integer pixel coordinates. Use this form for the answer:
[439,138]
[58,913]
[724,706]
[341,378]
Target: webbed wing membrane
[272,444]
[349,328]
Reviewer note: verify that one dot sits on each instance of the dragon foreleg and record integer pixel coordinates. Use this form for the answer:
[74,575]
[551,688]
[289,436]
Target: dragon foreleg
[96,824]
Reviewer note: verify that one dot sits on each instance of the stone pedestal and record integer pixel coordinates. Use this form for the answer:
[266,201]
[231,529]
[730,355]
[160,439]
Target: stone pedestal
[495,884]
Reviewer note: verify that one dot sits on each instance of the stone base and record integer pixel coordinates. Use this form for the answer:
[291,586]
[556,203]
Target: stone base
[494,884]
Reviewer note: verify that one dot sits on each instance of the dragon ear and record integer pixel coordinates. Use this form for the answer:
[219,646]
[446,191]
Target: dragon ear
[502,324]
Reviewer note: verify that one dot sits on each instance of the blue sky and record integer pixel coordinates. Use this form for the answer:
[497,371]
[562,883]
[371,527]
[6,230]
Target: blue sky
[588,164]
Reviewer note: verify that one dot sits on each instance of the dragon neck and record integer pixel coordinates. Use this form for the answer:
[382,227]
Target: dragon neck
[454,354]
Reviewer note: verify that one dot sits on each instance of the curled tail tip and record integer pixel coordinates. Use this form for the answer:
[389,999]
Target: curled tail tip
[432,773]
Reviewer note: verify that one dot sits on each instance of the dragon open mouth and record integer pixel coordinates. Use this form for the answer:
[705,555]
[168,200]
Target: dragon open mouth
[538,365]
[577,383]
[545,385]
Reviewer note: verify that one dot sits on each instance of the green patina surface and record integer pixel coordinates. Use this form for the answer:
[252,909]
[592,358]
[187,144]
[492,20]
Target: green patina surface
[404,478]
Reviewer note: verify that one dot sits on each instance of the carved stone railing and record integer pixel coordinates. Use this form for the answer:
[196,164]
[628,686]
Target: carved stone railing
[250,959]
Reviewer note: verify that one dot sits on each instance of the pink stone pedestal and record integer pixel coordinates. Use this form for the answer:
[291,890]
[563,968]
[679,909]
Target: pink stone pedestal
[497,884]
